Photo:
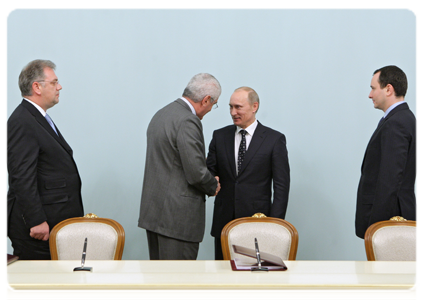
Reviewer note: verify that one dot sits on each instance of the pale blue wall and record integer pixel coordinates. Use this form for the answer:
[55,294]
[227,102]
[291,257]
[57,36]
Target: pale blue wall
[311,69]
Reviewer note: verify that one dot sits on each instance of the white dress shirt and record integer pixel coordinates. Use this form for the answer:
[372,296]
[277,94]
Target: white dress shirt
[37,107]
[248,136]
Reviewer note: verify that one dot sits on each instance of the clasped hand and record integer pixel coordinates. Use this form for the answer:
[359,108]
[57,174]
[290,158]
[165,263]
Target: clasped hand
[218,185]
[40,232]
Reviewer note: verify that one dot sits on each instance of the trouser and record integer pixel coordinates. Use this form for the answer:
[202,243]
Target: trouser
[162,247]
[31,249]
[218,254]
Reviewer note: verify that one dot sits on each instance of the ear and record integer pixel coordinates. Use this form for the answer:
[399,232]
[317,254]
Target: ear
[255,107]
[205,100]
[390,91]
[36,88]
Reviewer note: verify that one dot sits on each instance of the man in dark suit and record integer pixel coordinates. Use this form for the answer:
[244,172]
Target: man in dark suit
[246,157]
[388,172]
[176,178]
[44,183]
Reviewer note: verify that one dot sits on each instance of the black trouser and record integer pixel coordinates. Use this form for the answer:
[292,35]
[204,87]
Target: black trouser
[218,254]
[31,249]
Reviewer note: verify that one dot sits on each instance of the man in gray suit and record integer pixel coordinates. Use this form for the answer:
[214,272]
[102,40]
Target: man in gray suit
[176,177]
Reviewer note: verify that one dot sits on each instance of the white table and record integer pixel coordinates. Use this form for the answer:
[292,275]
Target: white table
[129,275]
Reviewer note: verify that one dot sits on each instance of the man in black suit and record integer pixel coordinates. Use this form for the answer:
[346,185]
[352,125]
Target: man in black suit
[246,157]
[388,172]
[44,183]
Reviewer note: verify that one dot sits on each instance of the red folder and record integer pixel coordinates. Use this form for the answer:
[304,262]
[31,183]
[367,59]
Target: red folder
[11,258]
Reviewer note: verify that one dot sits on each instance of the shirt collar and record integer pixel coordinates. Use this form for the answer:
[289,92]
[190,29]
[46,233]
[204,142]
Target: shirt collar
[190,105]
[250,129]
[37,107]
[392,107]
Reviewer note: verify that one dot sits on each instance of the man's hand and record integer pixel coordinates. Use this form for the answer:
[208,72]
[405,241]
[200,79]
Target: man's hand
[218,185]
[40,232]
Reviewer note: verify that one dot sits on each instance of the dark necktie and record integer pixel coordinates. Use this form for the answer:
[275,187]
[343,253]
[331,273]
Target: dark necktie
[242,150]
[50,121]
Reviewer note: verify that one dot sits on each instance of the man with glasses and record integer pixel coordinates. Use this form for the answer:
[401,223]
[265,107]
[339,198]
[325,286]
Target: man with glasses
[176,178]
[44,183]
[249,159]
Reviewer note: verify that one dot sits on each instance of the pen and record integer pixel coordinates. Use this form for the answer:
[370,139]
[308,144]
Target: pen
[84,252]
[257,253]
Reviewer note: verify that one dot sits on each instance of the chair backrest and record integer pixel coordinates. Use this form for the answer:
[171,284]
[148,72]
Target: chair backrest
[274,236]
[106,239]
[391,240]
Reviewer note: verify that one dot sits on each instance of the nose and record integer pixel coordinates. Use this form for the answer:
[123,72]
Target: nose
[59,86]
[371,95]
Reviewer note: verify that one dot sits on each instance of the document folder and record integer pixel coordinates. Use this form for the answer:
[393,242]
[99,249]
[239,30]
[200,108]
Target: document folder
[11,258]
[270,261]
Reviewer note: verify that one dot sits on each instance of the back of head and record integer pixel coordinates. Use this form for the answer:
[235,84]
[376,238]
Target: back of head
[202,85]
[252,95]
[394,76]
[33,71]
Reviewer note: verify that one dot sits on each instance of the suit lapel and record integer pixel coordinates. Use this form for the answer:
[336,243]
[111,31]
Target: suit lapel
[400,107]
[229,141]
[393,112]
[43,122]
[256,141]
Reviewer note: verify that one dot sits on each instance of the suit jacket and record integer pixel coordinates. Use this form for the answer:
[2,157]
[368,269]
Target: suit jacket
[250,191]
[388,172]
[44,183]
[176,178]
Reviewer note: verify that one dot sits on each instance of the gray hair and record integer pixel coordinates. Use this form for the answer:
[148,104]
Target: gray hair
[32,72]
[202,85]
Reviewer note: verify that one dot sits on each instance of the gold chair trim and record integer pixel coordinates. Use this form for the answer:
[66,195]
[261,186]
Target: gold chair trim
[398,219]
[91,216]
[259,215]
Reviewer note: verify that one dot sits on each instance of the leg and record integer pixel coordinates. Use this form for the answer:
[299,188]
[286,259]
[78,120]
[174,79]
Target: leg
[31,249]
[153,245]
[218,254]
[174,249]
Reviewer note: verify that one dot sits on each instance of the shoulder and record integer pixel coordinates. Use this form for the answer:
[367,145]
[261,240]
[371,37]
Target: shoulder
[176,111]
[226,129]
[269,131]
[226,132]
[401,116]
[20,115]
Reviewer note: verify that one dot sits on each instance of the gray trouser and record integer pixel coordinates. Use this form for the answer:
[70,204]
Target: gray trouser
[162,247]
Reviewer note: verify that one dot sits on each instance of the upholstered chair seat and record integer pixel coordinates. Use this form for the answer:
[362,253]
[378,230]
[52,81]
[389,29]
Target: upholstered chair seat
[274,236]
[391,241]
[105,239]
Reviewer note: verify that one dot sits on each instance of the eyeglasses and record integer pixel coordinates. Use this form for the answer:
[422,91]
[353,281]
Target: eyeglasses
[54,82]
[215,106]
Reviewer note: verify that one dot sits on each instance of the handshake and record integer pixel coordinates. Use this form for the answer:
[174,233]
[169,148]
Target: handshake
[218,185]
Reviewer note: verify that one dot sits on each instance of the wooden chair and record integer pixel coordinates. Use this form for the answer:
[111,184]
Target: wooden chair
[106,239]
[274,236]
[393,240]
